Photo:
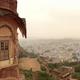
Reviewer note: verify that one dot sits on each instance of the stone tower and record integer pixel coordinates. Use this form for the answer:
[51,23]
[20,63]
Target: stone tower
[9,23]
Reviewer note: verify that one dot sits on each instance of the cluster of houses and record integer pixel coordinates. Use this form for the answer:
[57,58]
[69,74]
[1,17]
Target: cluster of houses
[58,49]
[61,73]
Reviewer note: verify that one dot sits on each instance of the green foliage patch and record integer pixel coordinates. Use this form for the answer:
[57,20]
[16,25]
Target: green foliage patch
[76,75]
[27,74]
[44,76]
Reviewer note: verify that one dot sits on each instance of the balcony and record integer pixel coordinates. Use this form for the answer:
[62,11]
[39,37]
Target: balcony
[8,63]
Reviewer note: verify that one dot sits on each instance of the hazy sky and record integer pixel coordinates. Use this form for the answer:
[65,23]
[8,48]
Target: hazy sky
[51,18]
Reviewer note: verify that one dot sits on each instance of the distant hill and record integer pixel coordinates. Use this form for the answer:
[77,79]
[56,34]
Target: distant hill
[23,53]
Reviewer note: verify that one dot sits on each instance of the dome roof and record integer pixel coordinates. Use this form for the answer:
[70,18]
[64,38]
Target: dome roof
[10,5]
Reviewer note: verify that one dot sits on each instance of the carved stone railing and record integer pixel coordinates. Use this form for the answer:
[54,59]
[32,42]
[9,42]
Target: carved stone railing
[8,63]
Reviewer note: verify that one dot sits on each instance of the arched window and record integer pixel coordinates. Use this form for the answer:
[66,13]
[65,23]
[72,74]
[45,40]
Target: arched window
[4,50]
[5,33]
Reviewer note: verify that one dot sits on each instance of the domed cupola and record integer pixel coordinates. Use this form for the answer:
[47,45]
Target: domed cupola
[10,5]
